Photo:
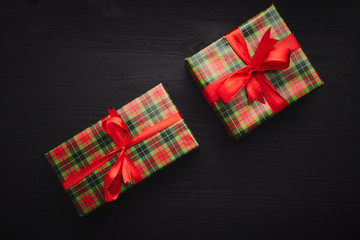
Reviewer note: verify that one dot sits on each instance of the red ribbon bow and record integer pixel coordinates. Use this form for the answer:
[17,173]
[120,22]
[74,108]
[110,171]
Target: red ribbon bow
[123,170]
[268,56]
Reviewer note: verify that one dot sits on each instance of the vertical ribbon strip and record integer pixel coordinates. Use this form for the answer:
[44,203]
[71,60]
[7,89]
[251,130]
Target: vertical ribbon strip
[271,54]
[123,170]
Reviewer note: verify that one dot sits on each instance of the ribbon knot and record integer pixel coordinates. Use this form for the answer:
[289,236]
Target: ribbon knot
[250,69]
[271,54]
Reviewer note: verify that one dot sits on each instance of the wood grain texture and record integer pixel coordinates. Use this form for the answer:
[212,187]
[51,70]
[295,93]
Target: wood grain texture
[63,63]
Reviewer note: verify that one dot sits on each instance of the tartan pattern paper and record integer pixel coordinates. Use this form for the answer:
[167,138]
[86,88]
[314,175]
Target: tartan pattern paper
[219,59]
[148,156]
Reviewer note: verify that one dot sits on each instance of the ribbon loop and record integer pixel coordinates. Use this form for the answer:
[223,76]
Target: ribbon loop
[277,58]
[116,128]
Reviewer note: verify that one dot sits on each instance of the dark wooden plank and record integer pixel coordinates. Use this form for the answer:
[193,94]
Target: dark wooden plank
[63,63]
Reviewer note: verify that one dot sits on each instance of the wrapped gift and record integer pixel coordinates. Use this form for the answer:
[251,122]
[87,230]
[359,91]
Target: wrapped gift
[253,72]
[122,149]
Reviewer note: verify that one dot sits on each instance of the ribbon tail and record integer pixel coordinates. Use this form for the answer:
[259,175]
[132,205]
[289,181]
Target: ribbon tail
[113,180]
[265,45]
[276,102]
[237,41]
[129,171]
[254,91]
[113,112]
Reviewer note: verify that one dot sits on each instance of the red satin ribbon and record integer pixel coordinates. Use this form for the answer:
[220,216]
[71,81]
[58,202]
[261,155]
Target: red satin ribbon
[271,54]
[123,170]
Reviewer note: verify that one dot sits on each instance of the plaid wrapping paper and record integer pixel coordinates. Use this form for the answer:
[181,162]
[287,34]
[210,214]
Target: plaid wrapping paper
[148,156]
[219,59]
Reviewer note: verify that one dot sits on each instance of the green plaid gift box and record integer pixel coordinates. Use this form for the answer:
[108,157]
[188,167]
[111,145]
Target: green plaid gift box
[219,59]
[148,156]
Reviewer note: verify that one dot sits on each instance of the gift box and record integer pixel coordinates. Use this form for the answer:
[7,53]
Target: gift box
[122,149]
[253,72]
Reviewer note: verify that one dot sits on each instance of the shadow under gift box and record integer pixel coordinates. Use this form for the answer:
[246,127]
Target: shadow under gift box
[148,156]
[219,59]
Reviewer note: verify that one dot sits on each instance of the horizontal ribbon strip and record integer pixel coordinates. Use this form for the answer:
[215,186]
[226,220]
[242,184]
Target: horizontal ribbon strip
[271,54]
[123,170]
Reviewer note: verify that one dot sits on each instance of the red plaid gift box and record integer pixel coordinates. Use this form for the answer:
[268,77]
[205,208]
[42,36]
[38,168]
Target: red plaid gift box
[231,59]
[70,158]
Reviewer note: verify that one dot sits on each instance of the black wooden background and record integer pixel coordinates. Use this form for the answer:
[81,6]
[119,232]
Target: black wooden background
[64,63]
